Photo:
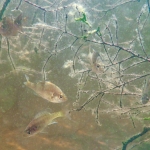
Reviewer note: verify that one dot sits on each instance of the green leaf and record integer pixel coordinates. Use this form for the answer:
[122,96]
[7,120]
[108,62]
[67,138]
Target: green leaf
[84,37]
[148,118]
[83,19]
[98,31]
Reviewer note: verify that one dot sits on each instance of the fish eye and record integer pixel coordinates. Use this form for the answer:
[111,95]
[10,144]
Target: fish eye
[28,131]
[97,65]
[60,96]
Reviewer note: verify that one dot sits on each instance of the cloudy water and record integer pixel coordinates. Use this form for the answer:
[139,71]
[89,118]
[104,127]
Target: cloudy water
[88,60]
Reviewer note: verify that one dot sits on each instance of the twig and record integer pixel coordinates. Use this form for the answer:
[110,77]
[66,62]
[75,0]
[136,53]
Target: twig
[4,8]
[11,60]
[96,94]
[43,68]
[19,5]
[42,33]
[132,120]
[97,110]
[121,95]
[125,144]
[148,5]
[75,56]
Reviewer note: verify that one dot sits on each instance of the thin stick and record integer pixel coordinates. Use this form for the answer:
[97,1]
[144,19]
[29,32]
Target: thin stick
[11,60]
[4,8]
[19,5]
[125,144]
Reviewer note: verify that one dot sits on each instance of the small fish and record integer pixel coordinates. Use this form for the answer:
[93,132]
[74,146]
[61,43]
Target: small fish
[47,90]
[40,121]
[93,60]
[146,91]
[10,27]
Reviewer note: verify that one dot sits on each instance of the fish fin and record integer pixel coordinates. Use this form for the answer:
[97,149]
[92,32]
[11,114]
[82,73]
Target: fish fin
[41,114]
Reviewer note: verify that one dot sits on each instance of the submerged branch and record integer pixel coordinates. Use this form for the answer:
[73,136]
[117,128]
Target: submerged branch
[19,5]
[125,144]
[9,55]
[96,94]
[4,8]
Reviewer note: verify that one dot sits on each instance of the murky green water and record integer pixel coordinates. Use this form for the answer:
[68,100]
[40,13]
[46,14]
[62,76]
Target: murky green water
[105,106]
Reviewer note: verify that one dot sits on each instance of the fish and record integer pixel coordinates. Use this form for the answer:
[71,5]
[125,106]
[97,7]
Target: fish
[95,66]
[42,120]
[146,91]
[10,27]
[47,90]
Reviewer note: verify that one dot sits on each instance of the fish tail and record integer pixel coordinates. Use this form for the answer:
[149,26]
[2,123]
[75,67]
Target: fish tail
[57,115]
[60,114]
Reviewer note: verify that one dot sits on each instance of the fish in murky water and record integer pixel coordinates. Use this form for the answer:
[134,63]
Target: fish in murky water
[41,120]
[10,27]
[146,91]
[47,90]
[93,60]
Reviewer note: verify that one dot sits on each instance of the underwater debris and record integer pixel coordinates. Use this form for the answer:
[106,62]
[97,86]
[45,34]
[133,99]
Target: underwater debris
[68,64]
[47,90]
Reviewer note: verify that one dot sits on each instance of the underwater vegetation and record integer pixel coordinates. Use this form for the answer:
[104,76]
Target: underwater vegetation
[89,58]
